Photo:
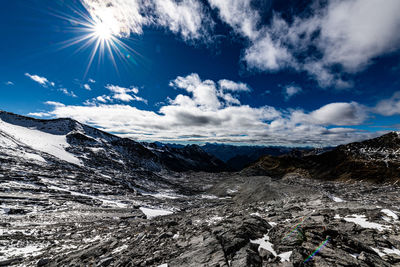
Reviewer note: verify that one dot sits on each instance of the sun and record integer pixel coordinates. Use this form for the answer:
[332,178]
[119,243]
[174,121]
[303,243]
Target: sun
[102,31]
[101,34]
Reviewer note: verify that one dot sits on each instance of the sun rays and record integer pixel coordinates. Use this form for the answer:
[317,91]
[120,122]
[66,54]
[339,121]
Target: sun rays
[101,35]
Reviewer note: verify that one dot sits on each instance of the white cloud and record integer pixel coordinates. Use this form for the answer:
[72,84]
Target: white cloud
[264,53]
[345,33]
[233,86]
[186,17]
[122,16]
[104,99]
[202,114]
[124,94]
[389,107]
[54,103]
[354,32]
[39,114]
[349,33]
[291,90]
[341,114]
[9,83]
[87,87]
[208,95]
[204,92]
[239,15]
[40,80]
[91,81]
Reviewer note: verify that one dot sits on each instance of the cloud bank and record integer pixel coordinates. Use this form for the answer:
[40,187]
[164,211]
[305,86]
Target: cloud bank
[211,111]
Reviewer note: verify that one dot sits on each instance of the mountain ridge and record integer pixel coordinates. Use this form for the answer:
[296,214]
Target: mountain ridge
[89,144]
[375,160]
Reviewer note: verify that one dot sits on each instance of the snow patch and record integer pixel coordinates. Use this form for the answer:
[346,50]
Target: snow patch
[390,214]
[119,249]
[272,224]
[152,213]
[164,195]
[11,252]
[285,256]
[31,156]
[336,199]
[265,244]
[231,191]
[363,222]
[49,143]
[391,251]
[208,196]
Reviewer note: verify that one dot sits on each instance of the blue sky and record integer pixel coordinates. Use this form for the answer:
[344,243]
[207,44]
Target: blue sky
[233,71]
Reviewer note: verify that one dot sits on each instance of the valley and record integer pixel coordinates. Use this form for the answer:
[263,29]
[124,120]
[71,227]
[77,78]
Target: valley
[116,202]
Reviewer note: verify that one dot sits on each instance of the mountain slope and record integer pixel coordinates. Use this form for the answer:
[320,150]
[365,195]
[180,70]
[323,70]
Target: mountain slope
[82,145]
[376,160]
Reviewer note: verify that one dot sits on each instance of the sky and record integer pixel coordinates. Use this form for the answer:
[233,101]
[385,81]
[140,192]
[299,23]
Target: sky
[265,72]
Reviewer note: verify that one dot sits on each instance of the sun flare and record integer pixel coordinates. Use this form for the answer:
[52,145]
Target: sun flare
[102,31]
[102,35]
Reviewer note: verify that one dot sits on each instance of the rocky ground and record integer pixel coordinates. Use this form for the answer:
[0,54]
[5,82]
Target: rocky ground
[212,220]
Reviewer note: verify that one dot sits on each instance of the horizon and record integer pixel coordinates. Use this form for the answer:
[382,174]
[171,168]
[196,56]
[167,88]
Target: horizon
[263,73]
[201,144]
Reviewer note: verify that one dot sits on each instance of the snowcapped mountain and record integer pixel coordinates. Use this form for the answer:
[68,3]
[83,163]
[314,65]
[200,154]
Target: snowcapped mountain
[376,160]
[84,146]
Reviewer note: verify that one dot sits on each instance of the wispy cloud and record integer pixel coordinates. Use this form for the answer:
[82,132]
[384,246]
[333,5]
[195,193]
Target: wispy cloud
[389,107]
[118,93]
[125,94]
[43,81]
[65,91]
[54,103]
[87,87]
[291,90]
[9,83]
[91,81]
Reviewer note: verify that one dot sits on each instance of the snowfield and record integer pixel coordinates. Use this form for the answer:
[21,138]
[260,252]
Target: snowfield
[49,143]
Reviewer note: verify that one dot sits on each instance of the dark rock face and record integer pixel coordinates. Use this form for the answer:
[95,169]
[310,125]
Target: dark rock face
[190,157]
[239,157]
[376,160]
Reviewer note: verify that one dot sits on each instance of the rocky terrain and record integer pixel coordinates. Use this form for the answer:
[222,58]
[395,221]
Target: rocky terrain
[376,160]
[71,195]
[237,221]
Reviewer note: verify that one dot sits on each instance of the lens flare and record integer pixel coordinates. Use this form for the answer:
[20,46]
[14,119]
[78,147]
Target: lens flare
[321,246]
